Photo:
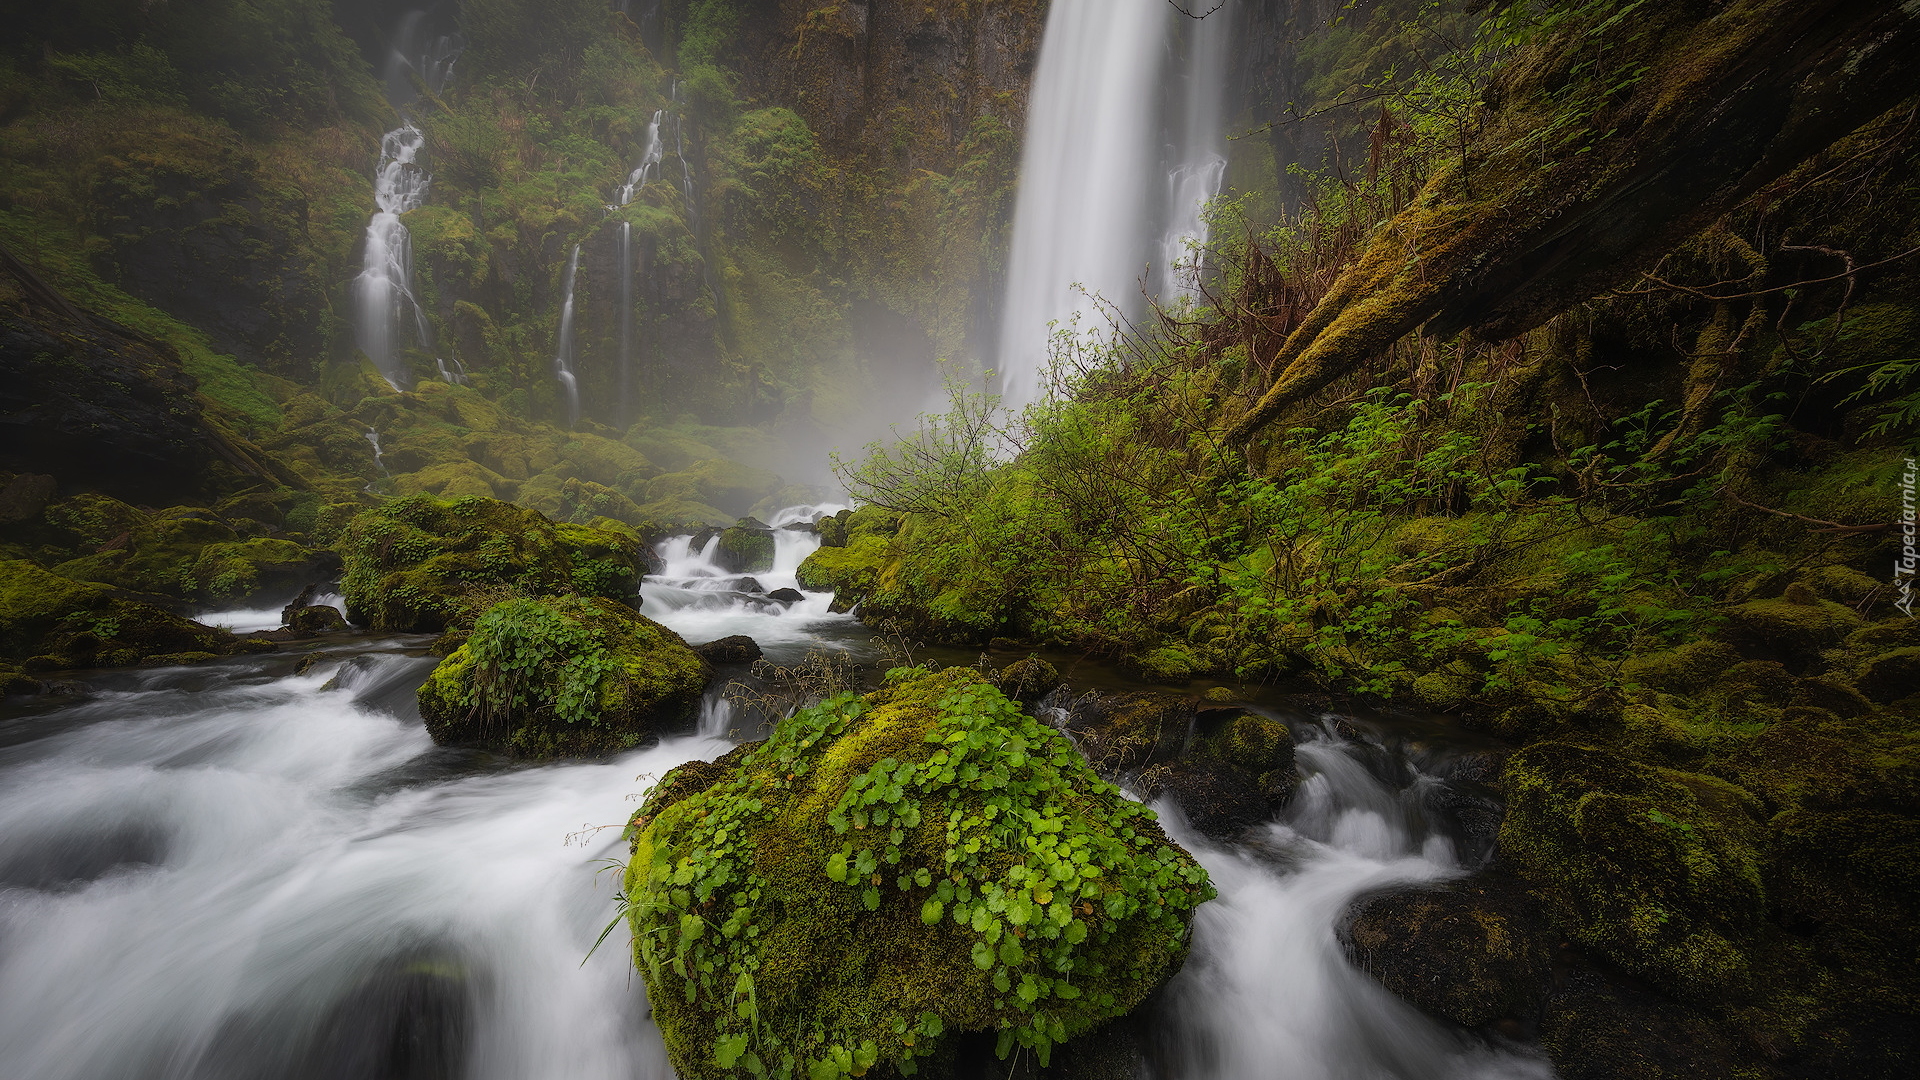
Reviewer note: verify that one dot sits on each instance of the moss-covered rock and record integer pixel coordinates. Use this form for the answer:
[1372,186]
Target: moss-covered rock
[745,548]
[1474,951]
[562,675]
[1658,870]
[886,873]
[1123,732]
[849,572]
[421,564]
[1792,629]
[52,622]
[1027,681]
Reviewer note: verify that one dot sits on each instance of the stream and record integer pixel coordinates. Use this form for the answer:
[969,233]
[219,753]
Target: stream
[243,870]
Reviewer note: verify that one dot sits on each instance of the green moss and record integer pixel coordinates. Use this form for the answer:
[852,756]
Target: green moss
[562,675]
[421,564]
[850,572]
[886,872]
[56,622]
[1658,870]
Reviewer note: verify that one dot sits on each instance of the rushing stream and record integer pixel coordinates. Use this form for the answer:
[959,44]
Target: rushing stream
[240,871]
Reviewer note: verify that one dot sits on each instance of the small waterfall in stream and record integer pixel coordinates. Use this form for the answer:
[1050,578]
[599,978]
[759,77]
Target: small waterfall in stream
[1099,200]
[563,350]
[385,310]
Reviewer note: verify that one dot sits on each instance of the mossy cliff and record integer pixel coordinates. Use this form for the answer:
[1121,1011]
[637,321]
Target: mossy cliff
[562,675]
[886,873]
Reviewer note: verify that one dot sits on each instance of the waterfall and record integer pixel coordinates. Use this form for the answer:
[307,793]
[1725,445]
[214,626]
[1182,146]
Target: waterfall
[383,293]
[650,155]
[384,304]
[563,355]
[1095,185]
[1199,161]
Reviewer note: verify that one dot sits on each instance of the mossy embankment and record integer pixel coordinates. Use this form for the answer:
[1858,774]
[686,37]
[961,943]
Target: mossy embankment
[884,876]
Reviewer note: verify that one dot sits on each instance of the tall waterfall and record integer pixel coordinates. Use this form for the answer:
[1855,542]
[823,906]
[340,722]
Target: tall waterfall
[563,353]
[385,310]
[1099,199]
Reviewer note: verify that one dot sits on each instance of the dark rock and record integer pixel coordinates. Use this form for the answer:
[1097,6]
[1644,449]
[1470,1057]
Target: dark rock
[305,599]
[25,497]
[746,547]
[316,620]
[787,596]
[750,585]
[1473,952]
[1601,1028]
[736,649]
[1891,676]
[1217,799]
[798,526]
[1027,681]
[1122,732]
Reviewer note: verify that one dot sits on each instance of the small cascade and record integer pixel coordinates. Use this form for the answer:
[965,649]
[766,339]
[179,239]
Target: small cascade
[680,151]
[717,717]
[702,600]
[1268,980]
[379,459]
[563,355]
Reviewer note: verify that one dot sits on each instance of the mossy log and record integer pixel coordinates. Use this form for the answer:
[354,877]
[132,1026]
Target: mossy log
[1586,171]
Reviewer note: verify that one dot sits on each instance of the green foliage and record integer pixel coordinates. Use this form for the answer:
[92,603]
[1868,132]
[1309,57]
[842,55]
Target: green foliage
[883,871]
[527,654]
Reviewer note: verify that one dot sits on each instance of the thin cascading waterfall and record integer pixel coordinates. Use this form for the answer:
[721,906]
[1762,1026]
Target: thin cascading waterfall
[384,303]
[702,600]
[1198,163]
[1087,178]
[383,293]
[563,353]
[651,154]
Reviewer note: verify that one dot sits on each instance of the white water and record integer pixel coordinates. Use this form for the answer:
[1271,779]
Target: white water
[385,311]
[383,293]
[280,880]
[704,602]
[563,352]
[1268,990]
[1096,183]
[650,155]
[250,620]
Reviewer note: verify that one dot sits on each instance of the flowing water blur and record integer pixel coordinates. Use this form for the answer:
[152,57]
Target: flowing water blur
[235,872]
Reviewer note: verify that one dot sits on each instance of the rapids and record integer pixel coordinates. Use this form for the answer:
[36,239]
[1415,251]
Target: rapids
[240,870]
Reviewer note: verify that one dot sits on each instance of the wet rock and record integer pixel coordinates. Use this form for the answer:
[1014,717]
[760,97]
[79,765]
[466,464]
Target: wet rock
[563,675]
[25,497]
[734,649]
[1027,681]
[746,547]
[316,620]
[1120,733]
[787,596]
[750,585]
[50,622]
[1217,799]
[1601,1028]
[1474,952]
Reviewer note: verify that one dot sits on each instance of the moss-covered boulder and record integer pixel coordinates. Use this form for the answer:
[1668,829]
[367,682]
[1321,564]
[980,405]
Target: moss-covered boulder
[745,548]
[887,872]
[49,622]
[562,675]
[852,555]
[1656,869]
[422,564]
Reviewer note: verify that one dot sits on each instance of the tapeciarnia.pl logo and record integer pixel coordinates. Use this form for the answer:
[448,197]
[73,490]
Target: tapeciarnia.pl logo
[1904,563]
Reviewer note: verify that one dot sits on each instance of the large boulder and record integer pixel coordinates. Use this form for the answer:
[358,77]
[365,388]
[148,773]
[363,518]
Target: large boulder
[887,873]
[422,564]
[746,548]
[1475,952]
[50,622]
[1657,870]
[562,675]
